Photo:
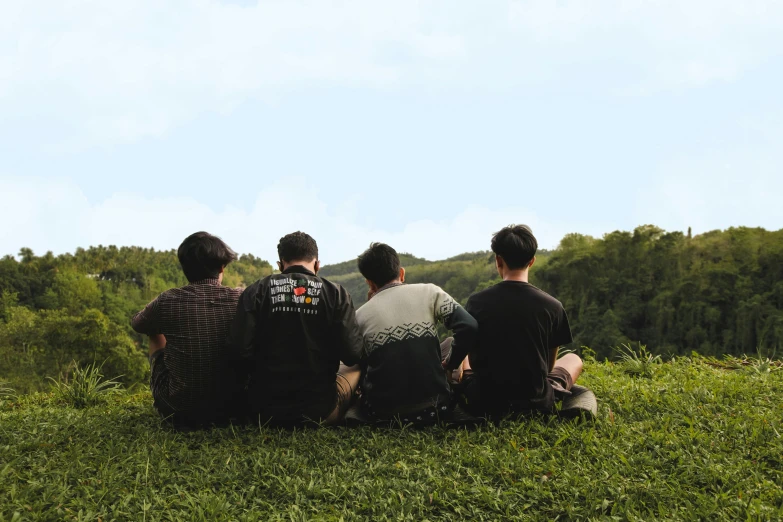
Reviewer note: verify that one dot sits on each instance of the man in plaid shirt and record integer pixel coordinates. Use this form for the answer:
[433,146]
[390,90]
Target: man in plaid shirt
[193,382]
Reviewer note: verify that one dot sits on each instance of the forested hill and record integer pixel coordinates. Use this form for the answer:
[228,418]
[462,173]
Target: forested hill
[719,292]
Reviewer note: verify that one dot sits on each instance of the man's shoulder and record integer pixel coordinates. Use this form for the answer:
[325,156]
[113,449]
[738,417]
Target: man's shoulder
[487,293]
[230,291]
[416,296]
[253,288]
[505,289]
[545,297]
[429,287]
[424,289]
[411,292]
[175,294]
[329,287]
[328,282]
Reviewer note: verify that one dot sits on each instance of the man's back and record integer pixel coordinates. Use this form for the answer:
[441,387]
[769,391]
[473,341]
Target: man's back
[195,320]
[293,329]
[401,349]
[519,325]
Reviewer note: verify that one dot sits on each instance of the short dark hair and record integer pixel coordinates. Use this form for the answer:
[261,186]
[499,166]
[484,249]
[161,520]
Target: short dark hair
[516,244]
[202,255]
[379,263]
[297,246]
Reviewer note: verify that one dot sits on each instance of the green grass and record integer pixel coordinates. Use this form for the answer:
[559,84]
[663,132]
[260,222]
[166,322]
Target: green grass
[84,386]
[637,362]
[695,441]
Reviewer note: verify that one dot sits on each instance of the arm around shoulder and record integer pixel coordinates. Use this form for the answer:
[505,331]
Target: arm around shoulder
[348,336]
[242,332]
[463,325]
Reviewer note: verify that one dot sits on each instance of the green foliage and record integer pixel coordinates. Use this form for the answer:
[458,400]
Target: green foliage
[84,386]
[36,345]
[74,292]
[5,391]
[694,442]
[759,364]
[637,362]
[716,293]
[756,365]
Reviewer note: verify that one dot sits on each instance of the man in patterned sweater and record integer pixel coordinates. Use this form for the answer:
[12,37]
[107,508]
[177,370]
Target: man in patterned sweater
[403,368]
[192,381]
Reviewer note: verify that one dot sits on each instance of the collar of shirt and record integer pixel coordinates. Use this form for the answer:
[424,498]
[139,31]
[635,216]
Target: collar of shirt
[208,281]
[297,269]
[386,287]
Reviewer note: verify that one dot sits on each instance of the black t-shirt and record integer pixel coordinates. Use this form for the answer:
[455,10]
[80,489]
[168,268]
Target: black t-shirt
[519,325]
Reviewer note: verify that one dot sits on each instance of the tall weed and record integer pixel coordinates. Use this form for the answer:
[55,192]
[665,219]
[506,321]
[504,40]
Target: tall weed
[637,362]
[6,392]
[85,387]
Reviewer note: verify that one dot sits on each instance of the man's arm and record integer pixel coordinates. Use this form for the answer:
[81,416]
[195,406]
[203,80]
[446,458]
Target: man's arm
[347,334]
[242,333]
[463,326]
[157,343]
[553,357]
[146,322]
[561,336]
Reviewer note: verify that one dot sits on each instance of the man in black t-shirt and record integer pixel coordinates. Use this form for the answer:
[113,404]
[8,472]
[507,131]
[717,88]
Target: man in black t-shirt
[514,366]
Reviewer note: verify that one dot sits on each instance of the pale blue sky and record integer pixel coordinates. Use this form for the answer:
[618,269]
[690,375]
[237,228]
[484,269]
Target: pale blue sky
[425,124]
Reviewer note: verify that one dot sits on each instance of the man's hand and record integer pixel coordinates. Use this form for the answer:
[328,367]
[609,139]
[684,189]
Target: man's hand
[157,343]
[454,375]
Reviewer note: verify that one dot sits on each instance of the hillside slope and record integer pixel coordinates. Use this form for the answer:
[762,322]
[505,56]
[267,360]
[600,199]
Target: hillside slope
[694,442]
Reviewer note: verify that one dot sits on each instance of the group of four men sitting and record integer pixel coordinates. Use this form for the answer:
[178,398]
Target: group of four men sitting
[291,348]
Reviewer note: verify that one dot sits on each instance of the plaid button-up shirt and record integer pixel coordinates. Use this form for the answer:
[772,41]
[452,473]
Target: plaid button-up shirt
[196,375]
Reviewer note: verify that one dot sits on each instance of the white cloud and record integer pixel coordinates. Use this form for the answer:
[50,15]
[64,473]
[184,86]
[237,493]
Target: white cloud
[57,216]
[120,71]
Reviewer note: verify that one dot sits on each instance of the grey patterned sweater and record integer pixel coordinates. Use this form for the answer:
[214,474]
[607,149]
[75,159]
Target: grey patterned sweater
[402,371]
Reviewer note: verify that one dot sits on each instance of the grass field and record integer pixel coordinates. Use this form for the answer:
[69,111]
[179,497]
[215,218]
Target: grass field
[690,441]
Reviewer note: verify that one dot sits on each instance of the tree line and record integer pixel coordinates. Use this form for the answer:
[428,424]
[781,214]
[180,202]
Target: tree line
[716,293]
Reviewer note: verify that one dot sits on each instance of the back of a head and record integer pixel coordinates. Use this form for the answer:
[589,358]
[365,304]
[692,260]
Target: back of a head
[516,244]
[297,246]
[203,255]
[379,263]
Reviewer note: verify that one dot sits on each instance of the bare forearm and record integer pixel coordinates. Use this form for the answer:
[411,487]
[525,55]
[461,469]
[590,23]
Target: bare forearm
[157,343]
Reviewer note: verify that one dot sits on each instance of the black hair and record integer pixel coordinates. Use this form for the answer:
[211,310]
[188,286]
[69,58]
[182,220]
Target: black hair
[297,246]
[202,255]
[516,244]
[379,263]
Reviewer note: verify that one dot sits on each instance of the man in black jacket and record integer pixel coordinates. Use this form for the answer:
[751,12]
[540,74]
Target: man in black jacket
[296,334]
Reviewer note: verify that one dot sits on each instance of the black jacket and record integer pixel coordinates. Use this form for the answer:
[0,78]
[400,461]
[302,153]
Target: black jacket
[290,333]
